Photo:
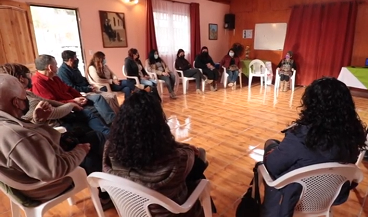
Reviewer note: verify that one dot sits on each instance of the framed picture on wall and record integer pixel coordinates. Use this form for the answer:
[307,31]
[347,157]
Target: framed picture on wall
[113,29]
[212,31]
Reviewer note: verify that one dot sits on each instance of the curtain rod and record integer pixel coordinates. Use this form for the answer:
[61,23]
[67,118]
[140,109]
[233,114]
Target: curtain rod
[177,2]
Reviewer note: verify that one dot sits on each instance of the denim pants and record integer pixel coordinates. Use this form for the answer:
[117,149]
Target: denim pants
[233,75]
[169,81]
[90,115]
[149,82]
[125,86]
[102,107]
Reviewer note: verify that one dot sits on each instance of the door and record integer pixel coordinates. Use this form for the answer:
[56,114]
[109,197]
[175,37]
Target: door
[56,30]
[17,38]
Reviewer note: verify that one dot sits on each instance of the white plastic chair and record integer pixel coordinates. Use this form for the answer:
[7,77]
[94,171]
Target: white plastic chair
[321,185]
[224,77]
[257,68]
[137,82]
[132,199]
[362,153]
[277,81]
[79,177]
[105,84]
[185,80]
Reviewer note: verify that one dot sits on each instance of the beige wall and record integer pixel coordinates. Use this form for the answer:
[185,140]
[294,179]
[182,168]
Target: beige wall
[210,12]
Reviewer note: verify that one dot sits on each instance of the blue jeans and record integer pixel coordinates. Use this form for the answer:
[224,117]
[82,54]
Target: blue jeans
[90,114]
[125,86]
[233,76]
[149,82]
[102,107]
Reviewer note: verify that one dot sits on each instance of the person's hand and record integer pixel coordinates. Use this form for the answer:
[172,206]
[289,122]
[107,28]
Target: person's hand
[94,88]
[77,107]
[85,146]
[42,111]
[81,101]
[116,81]
[165,74]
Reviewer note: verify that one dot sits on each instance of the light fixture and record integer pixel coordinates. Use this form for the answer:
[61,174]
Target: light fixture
[132,1]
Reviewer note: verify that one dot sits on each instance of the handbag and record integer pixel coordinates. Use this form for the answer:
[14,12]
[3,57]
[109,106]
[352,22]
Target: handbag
[233,68]
[249,206]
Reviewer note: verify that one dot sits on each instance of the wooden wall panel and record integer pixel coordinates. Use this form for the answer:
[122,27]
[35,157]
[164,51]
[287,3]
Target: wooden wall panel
[278,11]
[18,42]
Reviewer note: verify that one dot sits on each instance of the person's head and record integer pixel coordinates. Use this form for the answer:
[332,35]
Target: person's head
[153,56]
[328,109]
[47,65]
[98,61]
[133,53]
[289,55]
[21,72]
[139,135]
[70,58]
[13,96]
[204,49]
[180,54]
[231,53]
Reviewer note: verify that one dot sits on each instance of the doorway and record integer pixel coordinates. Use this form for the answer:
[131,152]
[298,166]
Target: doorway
[56,30]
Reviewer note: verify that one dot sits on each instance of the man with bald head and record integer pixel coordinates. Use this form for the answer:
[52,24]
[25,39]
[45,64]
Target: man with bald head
[31,153]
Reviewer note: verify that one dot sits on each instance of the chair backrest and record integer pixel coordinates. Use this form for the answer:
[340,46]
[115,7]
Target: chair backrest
[123,70]
[257,66]
[130,199]
[321,184]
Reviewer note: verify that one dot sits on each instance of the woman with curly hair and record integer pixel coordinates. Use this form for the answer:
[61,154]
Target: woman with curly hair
[141,148]
[328,130]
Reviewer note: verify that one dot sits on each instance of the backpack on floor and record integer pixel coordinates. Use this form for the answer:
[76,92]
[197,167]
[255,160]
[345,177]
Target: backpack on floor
[249,206]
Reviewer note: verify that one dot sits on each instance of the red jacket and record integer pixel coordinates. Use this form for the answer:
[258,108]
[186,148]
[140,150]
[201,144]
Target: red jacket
[54,89]
[226,61]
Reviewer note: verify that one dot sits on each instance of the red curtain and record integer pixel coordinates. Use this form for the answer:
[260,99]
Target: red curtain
[195,31]
[150,35]
[321,37]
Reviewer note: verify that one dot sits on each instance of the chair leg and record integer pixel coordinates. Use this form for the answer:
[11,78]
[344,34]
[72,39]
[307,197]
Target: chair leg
[184,83]
[96,202]
[249,81]
[206,204]
[71,201]
[203,86]
[15,210]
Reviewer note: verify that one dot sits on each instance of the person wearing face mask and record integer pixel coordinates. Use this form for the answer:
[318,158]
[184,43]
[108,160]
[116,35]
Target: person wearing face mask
[232,64]
[155,64]
[286,68]
[46,159]
[183,64]
[70,75]
[45,84]
[204,61]
[99,72]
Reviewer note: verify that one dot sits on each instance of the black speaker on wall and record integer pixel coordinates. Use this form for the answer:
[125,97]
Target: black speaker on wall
[229,21]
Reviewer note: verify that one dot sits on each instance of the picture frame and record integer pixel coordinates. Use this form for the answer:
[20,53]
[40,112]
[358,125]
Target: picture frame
[113,29]
[212,31]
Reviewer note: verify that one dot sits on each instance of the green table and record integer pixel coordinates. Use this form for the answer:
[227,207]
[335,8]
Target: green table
[356,77]
[245,68]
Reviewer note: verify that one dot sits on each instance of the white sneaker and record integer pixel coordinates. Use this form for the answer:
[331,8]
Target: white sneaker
[230,84]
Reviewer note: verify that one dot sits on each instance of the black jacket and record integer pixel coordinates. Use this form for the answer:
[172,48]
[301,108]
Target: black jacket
[182,64]
[201,61]
[131,68]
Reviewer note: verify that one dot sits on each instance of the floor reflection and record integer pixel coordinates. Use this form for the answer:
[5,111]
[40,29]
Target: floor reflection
[180,131]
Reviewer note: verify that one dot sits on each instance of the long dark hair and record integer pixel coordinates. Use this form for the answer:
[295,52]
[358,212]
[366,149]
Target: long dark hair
[96,61]
[328,109]
[151,57]
[139,134]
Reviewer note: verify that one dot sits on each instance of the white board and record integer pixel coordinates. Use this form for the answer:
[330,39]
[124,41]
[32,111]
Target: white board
[270,36]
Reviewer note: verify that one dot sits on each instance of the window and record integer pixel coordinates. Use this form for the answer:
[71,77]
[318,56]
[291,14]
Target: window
[172,27]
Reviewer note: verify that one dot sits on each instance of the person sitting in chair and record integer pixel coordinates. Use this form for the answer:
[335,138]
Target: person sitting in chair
[204,61]
[328,130]
[232,64]
[142,149]
[183,64]
[286,68]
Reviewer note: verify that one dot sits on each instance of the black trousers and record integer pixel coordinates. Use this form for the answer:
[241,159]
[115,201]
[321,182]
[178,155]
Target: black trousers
[211,74]
[194,73]
[284,77]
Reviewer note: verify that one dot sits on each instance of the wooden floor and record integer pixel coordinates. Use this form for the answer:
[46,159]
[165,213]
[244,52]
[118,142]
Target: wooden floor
[232,125]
